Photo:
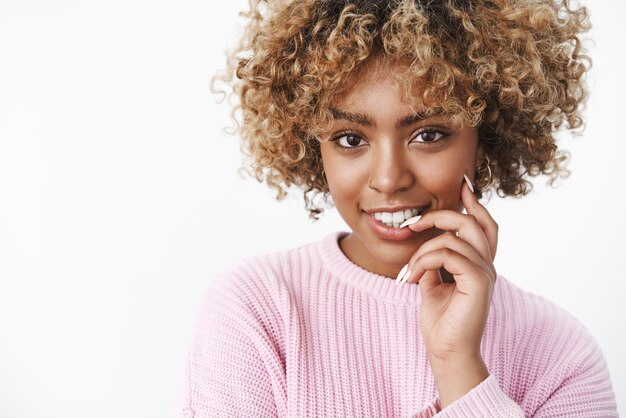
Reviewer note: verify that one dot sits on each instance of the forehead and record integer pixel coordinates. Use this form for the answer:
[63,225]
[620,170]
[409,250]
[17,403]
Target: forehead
[364,88]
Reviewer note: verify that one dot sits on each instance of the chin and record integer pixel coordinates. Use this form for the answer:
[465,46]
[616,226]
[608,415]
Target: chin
[392,252]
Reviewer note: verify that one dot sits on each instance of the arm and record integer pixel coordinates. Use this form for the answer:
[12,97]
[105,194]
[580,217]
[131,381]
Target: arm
[233,369]
[456,377]
[466,389]
[586,390]
[583,389]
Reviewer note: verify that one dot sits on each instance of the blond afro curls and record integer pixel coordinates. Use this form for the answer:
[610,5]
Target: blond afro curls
[513,68]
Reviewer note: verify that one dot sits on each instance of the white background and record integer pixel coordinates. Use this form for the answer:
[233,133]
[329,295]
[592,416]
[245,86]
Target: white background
[119,201]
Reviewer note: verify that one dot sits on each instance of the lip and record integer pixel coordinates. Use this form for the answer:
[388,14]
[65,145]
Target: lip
[385,232]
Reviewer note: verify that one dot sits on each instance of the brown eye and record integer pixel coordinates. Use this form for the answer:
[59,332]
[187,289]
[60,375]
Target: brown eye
[429,137]
[353,140]
[347,140]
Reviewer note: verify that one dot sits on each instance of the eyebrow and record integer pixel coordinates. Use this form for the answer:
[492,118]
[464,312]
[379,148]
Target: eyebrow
[366,120]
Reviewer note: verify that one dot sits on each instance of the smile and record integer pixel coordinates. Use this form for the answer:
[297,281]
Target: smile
[395,219]
[390,232]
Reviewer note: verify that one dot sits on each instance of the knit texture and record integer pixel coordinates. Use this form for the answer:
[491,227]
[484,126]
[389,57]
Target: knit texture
[308,333]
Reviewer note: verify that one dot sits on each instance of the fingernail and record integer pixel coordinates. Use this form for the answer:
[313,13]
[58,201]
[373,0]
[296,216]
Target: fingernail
[410,221]
[401,274]
[406,277]
[469,183]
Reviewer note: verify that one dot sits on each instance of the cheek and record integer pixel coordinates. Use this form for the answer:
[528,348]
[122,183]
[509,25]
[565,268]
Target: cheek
[443,178]
[344,180]
[345,186]
[446,188]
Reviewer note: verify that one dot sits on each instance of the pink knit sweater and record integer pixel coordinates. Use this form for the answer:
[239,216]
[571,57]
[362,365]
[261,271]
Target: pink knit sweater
[307,333]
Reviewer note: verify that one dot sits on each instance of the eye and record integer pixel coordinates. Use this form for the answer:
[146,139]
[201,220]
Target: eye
[430,136]
[347,140]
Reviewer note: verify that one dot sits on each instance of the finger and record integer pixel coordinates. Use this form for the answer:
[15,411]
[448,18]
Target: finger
[483,217]
[465,272]
[451,241]
[430,280]
[466,225]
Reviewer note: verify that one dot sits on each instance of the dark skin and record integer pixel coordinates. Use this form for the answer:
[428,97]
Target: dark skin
[375,161]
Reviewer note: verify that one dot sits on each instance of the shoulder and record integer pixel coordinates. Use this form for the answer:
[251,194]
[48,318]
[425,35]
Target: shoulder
[528,308]
[256,292]
[538,330]
[543,356]
[269,273]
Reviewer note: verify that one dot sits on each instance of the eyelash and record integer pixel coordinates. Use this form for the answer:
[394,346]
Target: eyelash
[339,135]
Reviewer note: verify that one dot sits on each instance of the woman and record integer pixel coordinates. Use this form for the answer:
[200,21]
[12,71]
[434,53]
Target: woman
[404,112]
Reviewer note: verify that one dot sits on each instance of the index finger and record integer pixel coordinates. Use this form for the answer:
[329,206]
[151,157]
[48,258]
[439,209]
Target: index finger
[450,220]
[483,217]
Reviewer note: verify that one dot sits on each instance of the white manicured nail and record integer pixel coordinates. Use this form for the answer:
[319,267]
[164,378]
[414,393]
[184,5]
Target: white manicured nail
[410,221]
[469,183]
[401,274]
[406,277]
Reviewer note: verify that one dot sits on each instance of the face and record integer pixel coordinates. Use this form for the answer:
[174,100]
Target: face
[379,155]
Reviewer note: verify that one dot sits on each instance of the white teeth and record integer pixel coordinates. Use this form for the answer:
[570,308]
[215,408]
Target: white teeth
[398,216]
[396,219]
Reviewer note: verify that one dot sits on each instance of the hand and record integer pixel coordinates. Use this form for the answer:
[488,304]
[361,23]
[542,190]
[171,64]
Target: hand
[453,315]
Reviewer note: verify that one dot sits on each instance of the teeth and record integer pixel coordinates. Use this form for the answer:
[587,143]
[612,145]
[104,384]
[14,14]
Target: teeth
[396,219]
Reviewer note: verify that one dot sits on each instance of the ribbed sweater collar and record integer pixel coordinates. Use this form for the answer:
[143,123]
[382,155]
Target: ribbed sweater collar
[343,269]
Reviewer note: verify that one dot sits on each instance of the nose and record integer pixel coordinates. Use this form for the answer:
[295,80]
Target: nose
[390,170]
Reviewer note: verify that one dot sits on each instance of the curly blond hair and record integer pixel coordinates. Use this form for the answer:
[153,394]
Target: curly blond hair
[513,68]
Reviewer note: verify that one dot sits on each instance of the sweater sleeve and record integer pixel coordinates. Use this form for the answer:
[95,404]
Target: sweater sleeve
[233,368]
[582,389]
[485,400]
